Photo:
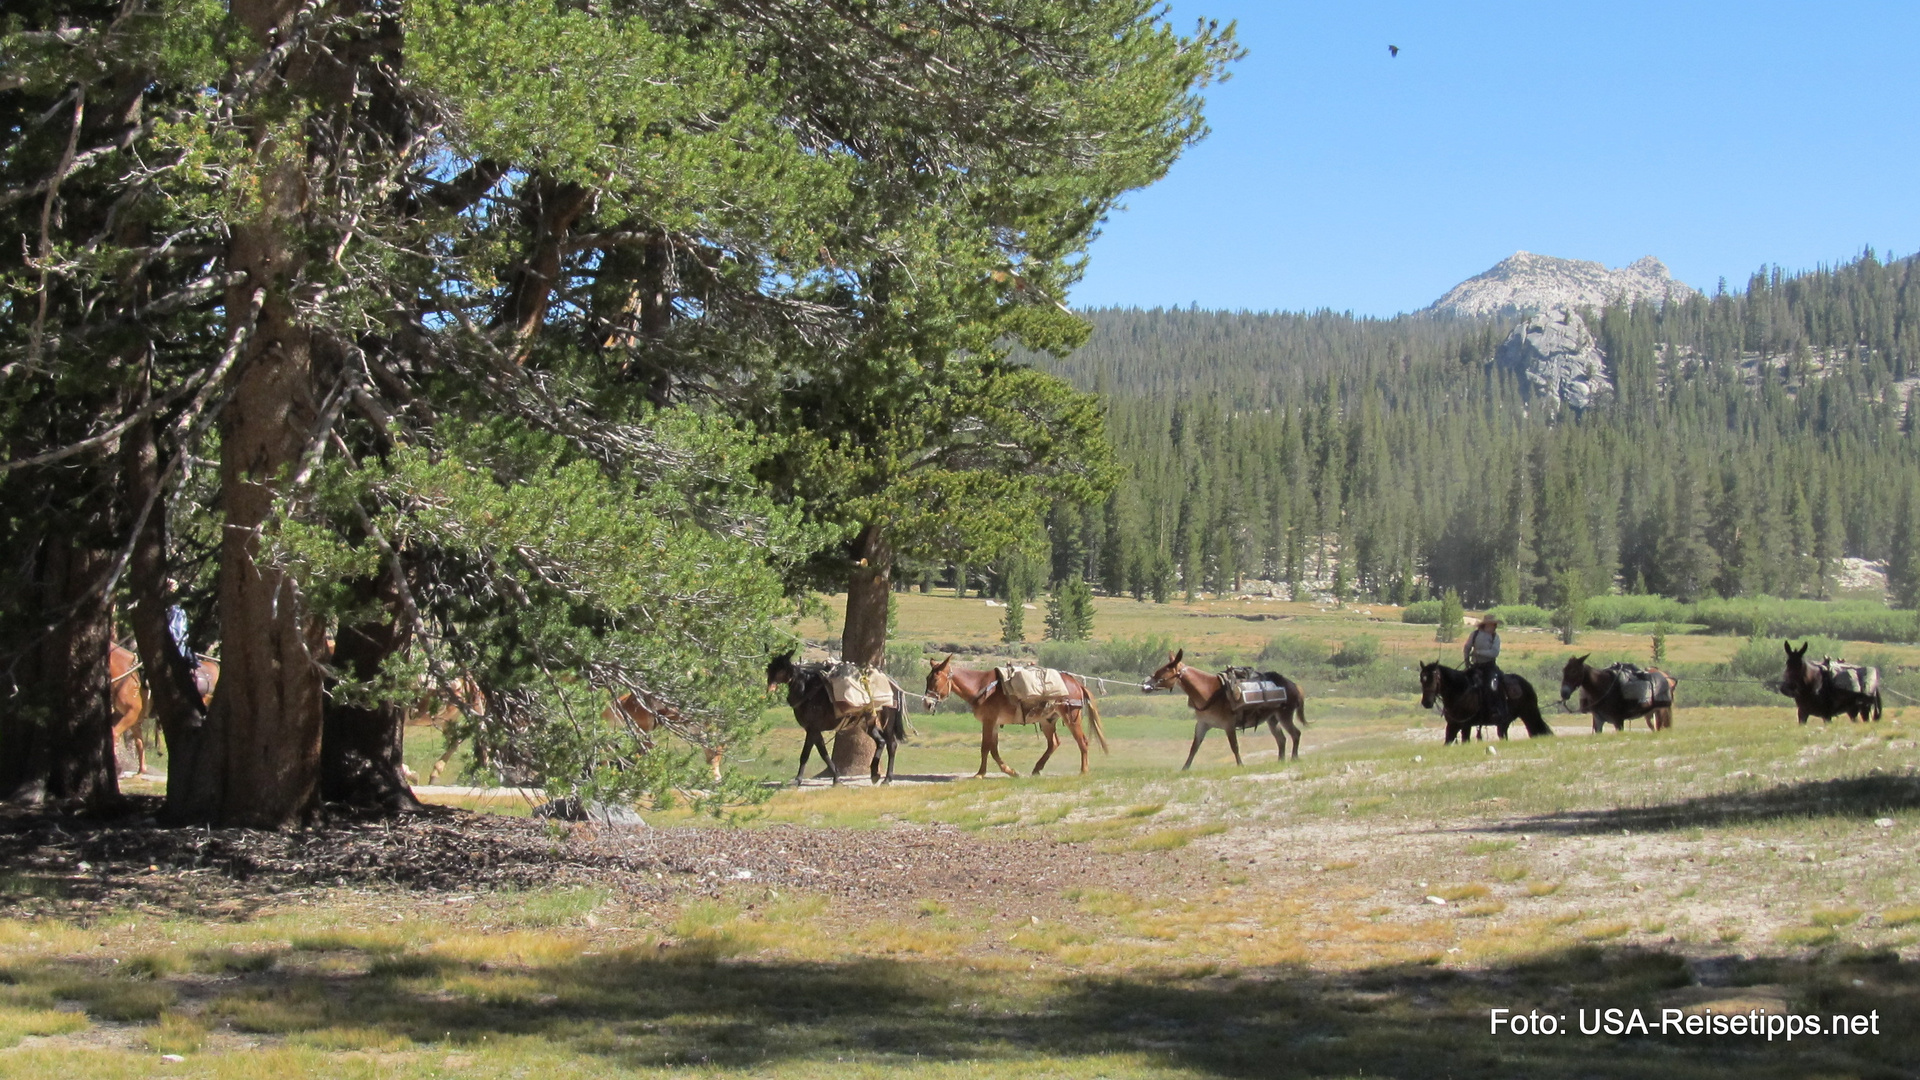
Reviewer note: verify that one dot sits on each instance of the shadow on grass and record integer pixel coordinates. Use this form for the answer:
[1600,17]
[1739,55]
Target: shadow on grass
[1852,797]
[681,1007]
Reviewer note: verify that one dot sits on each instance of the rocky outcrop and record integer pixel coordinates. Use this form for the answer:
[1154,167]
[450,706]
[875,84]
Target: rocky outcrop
[1524,283]
[1559,358]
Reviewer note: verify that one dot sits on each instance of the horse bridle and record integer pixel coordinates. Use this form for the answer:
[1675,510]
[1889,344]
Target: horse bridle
[931,699]
[1150,684]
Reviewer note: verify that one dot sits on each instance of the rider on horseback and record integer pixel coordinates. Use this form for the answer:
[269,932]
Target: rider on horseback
[1482,655]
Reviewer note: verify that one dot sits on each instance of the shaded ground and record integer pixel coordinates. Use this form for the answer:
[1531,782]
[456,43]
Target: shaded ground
[77,867]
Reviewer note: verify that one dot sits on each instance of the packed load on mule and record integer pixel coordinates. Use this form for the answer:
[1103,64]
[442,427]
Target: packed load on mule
[1249,690]
[859,688]
[1018,694]
[1036,689]
[1233,700]
[836,696]
[1619,692]
[1830,687]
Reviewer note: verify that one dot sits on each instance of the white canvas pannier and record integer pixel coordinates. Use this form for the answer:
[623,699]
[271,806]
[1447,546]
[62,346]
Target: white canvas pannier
[1033,685]
[856,688]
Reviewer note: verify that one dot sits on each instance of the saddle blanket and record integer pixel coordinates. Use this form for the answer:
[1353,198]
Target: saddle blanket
[858,688]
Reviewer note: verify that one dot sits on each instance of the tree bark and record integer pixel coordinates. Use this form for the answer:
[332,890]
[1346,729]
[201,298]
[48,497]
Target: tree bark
[171,695]
[361,746]
[863,640]
[57,728]
[259,761]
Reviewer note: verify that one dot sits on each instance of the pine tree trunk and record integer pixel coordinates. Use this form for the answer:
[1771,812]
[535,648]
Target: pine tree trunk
[172,697]
[864,638]
[362,746]
[56,734]
[259,763]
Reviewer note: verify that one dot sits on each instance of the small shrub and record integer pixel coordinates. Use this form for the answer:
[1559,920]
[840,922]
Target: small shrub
[1292,653]
[1357,651]
[1473,891]
[1132,657]
[1521,615]
[904,661]
[1542,888]
[1424,613]
[1076,656]
[1835,917]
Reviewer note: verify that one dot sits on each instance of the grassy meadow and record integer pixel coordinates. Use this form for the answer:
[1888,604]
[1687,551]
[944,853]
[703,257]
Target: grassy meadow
[1355,913]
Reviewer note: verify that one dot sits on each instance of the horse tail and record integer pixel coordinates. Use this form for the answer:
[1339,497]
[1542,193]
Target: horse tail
[1877,711]
[1530,714]
[1093,711]
[1300,705]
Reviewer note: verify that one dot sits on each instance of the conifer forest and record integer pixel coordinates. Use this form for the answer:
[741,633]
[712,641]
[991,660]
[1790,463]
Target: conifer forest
[1754,440]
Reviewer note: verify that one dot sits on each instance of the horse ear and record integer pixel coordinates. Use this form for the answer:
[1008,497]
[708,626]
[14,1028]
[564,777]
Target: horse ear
[1583,659]
[1181,655]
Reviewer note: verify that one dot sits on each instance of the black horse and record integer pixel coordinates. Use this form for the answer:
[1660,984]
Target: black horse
[1814,690]
[812,702]
[1461,695]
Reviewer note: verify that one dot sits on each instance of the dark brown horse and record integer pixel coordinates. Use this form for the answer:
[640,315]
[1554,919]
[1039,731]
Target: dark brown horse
[811,699]
[1461,696]
[1814,689]
[1601,693]
[994,708]
[1207,697]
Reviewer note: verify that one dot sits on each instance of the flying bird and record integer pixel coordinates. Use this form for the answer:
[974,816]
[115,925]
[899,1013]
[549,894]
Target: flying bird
[1393,50]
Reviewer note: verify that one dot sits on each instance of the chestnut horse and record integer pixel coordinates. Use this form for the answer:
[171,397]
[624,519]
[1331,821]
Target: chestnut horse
[1460,696]
[811,699]
[1600,695]
[647,714]
[1207,697]
[130,696]
[994,708]
[1812,688]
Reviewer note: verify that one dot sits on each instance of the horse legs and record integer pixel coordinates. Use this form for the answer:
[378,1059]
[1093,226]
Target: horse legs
[1274,724]
[1503,726]
[1049,730]
[1199,736]
[806,747]
[892,742]
[990,744]
[1293,730]
[1079,737]
[1233,744]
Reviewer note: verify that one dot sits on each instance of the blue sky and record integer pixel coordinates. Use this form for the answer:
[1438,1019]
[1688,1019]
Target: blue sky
[1716,136]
